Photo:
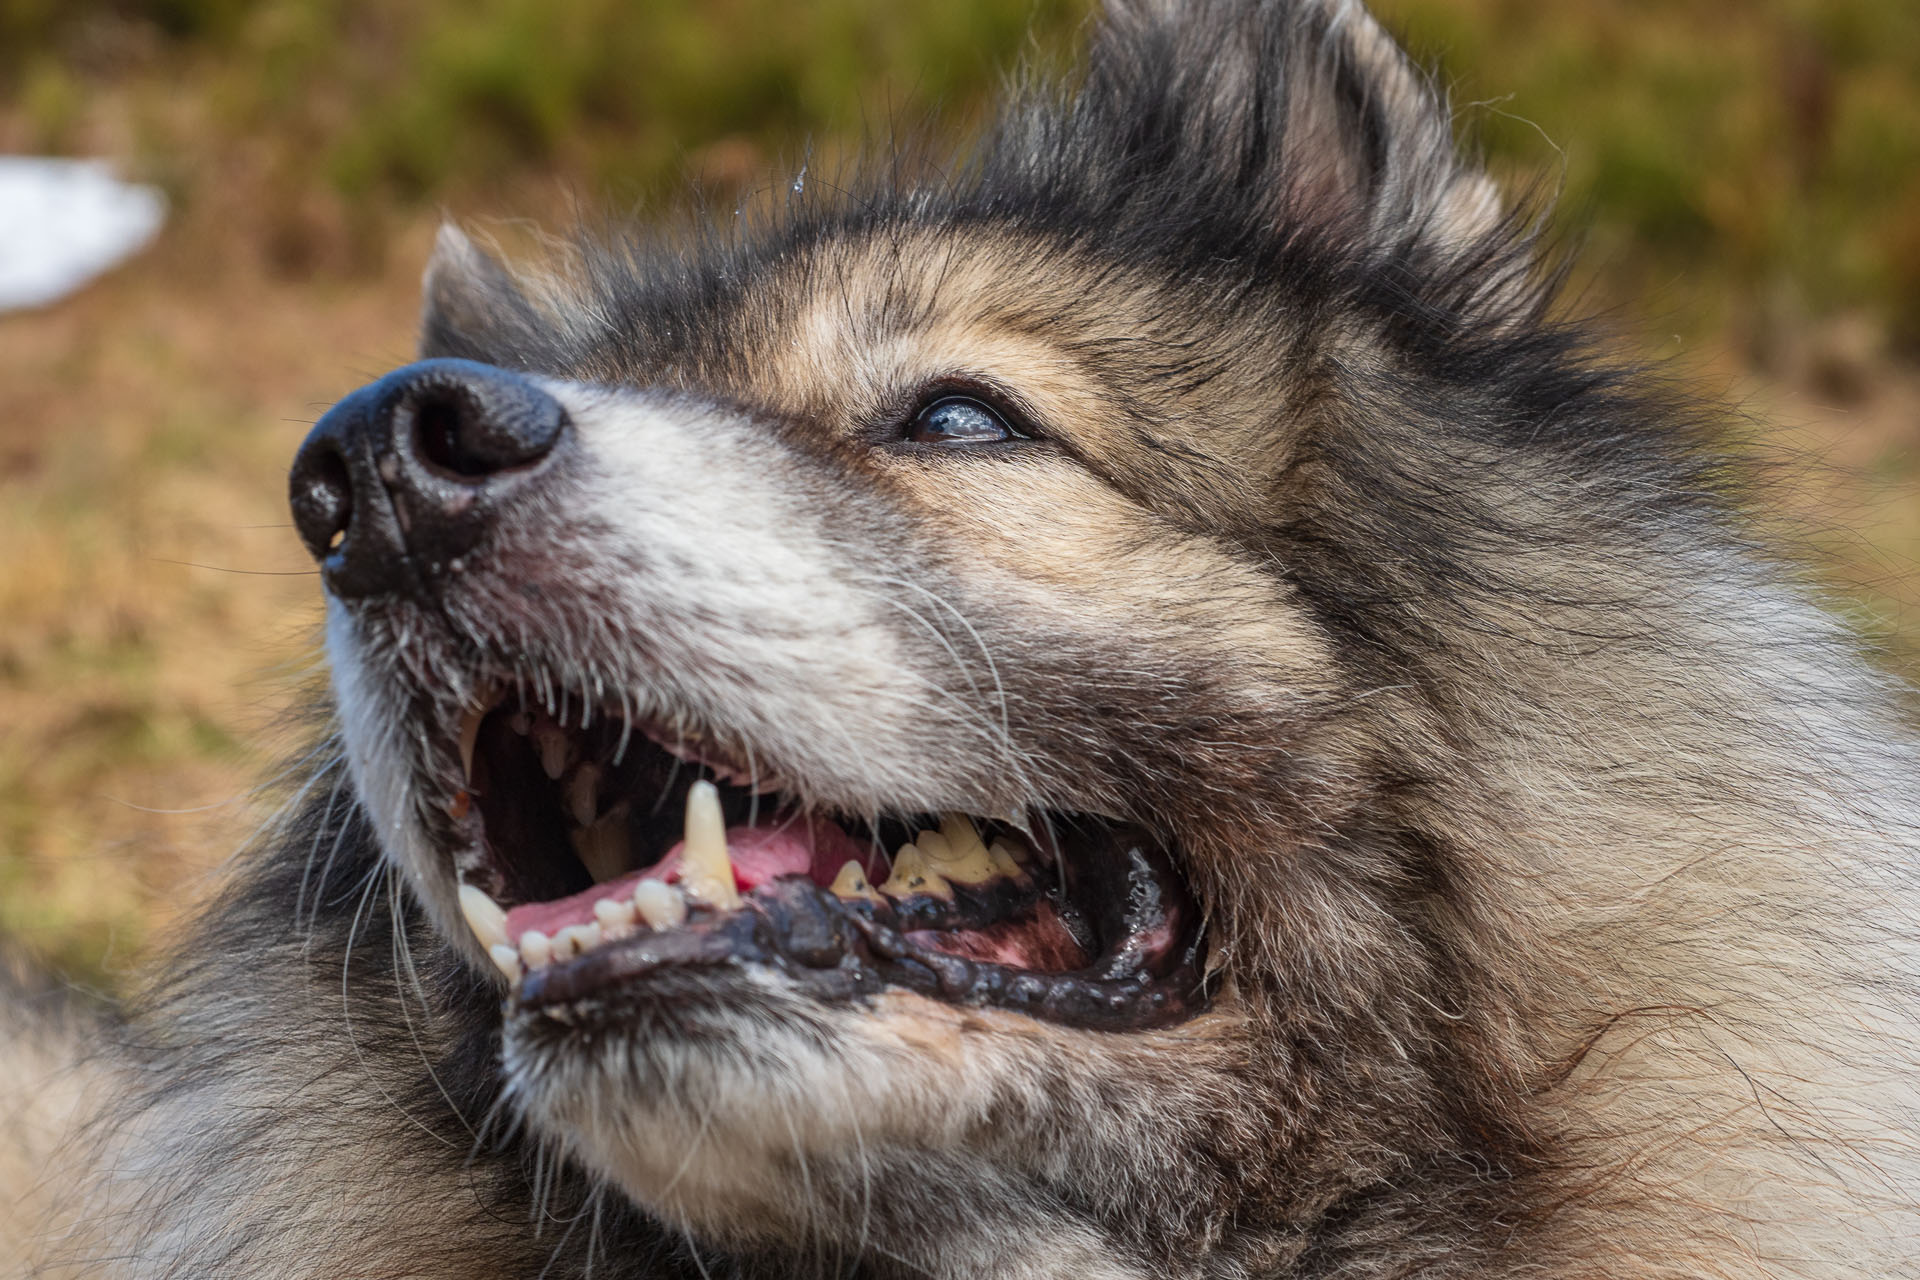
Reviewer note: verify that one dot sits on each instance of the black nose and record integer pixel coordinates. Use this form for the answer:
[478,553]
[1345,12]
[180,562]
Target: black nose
[403,477]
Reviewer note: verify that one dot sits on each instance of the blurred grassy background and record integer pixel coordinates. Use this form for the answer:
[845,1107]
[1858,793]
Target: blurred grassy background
[1748,172]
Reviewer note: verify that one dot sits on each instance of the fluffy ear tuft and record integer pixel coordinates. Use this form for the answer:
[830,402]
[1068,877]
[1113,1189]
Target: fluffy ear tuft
[1305,116]
[1369,103]
[472,307]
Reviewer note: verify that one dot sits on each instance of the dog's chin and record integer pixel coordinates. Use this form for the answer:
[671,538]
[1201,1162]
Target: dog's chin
[763,1116]
[753,1115]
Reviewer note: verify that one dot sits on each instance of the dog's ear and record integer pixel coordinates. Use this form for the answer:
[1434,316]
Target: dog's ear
[1305,111]
[472,307]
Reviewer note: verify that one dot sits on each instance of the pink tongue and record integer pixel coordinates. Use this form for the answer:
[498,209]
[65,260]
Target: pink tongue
[789,847]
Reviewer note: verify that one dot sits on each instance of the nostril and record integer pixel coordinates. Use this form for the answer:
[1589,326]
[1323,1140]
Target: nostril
[442,432]
[473,422]
[322,499]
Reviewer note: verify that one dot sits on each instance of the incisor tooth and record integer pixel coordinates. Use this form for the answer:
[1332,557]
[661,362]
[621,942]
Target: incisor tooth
[508,959]
[912,875]
[851,882]
[959,855]
[554,746]
[705,870]
[536,949]
[616,915]
[661,905]
[602,847]
[575,939]
[469,735]
[583,794]
[484,916]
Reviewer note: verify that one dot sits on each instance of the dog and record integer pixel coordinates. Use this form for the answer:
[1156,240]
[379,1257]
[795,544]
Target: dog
[1130,705]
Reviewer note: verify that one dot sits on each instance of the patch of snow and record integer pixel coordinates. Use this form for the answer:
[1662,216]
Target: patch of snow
[63,222]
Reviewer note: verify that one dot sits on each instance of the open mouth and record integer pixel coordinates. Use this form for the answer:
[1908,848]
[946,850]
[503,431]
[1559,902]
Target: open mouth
[599,857]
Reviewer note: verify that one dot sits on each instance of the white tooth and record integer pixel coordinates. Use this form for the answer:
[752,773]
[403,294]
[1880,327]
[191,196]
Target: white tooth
[705,870]
[1004,861]
[575,939]
[554,746]
[959,830]
[583,794]
[851,882]
[616,916]
[934,846]
[912,874]
[661,905]
[964,859]
[536,948]
[469,735]
[508,959]
[602,847]
[484,916]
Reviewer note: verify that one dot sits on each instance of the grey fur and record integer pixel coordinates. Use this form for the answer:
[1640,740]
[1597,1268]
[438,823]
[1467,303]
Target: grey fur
[1558,850]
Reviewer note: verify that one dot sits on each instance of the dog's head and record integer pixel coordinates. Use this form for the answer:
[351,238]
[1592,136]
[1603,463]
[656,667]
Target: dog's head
[910,702]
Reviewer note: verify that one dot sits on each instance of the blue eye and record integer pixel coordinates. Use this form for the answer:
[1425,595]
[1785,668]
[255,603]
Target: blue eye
[958,420]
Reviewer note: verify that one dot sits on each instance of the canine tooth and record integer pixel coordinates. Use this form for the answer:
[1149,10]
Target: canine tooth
[912,874]
[957,852]
[469,737]
[554,746]
[536,948]
[1004,861]
[616,915]
[705,870]
[576,939]
[583,794]
[851,883]
[602,847]
[508,959]
[661,905]
[484,916]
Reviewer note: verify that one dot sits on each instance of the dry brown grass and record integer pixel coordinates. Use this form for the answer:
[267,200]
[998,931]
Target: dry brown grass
[158,610]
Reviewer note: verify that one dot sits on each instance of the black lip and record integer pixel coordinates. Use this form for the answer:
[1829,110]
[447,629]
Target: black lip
[838,950]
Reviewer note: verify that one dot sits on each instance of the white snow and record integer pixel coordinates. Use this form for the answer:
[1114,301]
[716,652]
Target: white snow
[63,222]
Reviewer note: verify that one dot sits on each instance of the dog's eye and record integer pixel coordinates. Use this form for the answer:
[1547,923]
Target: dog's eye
[958,420]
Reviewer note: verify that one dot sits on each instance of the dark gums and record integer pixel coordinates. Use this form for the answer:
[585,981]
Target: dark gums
[840,950]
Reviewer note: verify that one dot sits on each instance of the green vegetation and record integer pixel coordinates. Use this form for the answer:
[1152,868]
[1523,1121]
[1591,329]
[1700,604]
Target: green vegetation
[1770,145]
